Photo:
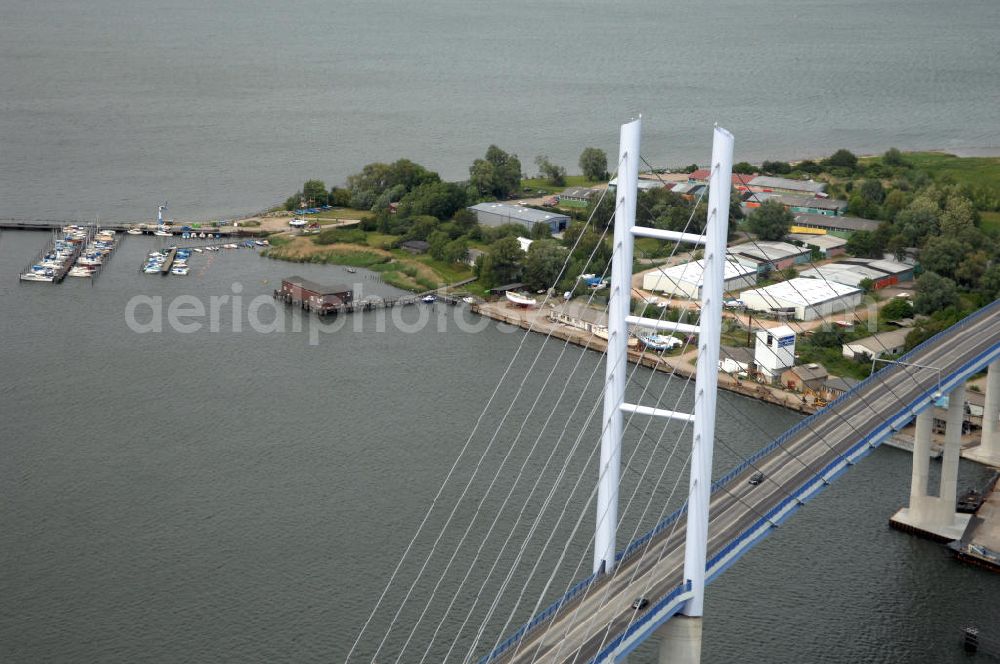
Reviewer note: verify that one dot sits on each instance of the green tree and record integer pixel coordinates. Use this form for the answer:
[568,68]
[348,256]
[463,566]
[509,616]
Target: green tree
[438,199]
[744,168]
[437,240]
[842,159]
[456,250]
[934,293]
[867,285]
[368,186]
[989,283]
[505,260]
[293,202]
[541,232]
[420,228]
[895,201]
[544,263]
[809,166]
[893,157]
[864,244]
[594,164]
[553,174]
[465,219]
[340,197]
[501,178]
[872,191]
[770,221]
[959,215]
[896,308]
[972,268]
[314,193]
[776,167]
[942,254]
[918,220]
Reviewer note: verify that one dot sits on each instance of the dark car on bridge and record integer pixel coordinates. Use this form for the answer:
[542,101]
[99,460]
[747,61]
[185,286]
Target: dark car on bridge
[756,478]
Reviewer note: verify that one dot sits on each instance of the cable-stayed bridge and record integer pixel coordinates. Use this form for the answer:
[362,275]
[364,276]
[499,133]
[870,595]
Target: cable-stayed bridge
[655,585]
[599,623]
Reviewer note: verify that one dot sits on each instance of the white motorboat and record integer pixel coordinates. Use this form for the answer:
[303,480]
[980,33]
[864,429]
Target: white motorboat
[163,233]
[180,270]
[659,342]
[37,276]
[134,231]
[520,299]
[79,271]
[469,299]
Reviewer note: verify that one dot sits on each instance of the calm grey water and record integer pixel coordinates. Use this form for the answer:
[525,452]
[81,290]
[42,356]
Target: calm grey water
[244,496]
[237,496]
[109,107]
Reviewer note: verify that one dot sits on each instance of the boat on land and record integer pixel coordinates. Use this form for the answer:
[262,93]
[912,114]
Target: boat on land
[428,298]
[601,332]
[521,299]
[468,299]
[659,342]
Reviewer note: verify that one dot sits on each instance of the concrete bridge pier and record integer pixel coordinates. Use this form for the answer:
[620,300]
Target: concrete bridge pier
[930,515]
[680,640]
[988,451]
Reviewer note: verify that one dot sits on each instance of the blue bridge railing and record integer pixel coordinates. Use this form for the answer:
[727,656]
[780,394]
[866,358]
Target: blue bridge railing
[639,543]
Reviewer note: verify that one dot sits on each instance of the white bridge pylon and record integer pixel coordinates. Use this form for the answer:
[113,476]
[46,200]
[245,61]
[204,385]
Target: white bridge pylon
[708,331]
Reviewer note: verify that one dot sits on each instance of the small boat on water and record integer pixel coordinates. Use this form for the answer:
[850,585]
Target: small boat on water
[659,342]
[163,233]
[180,270]
[37,276]
[198,250]
[80,271]
[521,299]
[351,270]
[468,299]
[134,231]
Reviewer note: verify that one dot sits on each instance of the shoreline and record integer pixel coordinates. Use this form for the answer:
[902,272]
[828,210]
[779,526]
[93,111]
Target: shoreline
[966,152]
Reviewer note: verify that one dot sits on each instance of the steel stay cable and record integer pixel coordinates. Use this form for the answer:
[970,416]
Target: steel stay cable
[472,477]
[451,471]
[675,249]
[513,486]
[652,373]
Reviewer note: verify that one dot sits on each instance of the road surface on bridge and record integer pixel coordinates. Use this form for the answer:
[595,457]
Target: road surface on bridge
[585,625]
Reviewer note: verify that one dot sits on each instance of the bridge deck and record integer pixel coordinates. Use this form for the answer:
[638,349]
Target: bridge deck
[598,623]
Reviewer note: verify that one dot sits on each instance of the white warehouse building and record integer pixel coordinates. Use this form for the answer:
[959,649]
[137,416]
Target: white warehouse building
[803,299]
[685,280]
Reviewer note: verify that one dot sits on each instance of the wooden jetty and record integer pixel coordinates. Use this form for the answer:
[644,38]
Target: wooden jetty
[60,273]
[168,261]
[146,228]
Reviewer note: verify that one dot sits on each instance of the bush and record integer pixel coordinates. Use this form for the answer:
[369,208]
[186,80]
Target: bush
[346,235]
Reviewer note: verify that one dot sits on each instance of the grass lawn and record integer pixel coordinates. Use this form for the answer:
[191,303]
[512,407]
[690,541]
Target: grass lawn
[339,214]
[398,268]
[990,223]
[380,240]
[980,172]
